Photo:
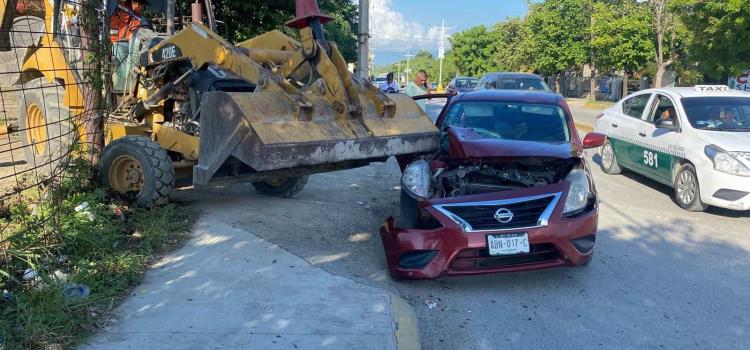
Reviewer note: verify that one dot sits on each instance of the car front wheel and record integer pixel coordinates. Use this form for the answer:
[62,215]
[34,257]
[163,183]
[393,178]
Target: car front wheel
[609,161]
[686,189]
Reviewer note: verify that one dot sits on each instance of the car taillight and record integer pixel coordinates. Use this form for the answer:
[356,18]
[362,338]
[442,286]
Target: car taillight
[599,116]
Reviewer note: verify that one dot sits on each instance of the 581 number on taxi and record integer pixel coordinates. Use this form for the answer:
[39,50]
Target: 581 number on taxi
[651,159]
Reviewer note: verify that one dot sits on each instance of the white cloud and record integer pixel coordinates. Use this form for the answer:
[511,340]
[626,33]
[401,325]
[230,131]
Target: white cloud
[391,32]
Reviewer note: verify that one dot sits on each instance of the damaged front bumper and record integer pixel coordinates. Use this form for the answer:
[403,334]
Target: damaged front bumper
[453,251]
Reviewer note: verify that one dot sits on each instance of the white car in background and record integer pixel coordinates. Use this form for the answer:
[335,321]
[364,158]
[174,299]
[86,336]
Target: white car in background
[694,139]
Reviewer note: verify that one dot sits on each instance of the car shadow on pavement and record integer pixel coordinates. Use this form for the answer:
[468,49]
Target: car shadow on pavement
[669,192]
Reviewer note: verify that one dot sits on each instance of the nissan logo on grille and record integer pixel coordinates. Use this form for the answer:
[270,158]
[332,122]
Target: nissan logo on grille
[503,215]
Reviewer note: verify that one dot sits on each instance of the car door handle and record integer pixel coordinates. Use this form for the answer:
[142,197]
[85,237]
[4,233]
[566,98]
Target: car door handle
[642,134]
[614,125]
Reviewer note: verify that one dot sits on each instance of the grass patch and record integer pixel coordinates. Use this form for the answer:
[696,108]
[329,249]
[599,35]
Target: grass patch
[598,104]
[64,265]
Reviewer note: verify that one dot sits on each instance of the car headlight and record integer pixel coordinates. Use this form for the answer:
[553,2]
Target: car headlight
[725,162]
[416,178]
[580,191]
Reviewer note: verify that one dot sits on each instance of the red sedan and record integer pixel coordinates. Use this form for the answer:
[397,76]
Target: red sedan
[508,190]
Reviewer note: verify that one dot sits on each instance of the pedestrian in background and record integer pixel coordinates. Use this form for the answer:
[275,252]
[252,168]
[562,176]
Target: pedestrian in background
[390,85]
[420,86]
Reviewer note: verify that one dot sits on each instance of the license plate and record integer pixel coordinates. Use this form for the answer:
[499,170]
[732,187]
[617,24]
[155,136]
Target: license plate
[508,243]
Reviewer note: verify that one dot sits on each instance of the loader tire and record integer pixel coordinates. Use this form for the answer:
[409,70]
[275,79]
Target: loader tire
[139,169]
[284,188]
[45,127]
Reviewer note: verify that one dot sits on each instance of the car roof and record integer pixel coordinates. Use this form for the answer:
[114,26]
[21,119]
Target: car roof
[693,92]
[512,75]
[528,96]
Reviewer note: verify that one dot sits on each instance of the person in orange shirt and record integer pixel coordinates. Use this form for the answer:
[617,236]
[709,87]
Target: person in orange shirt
[126,19]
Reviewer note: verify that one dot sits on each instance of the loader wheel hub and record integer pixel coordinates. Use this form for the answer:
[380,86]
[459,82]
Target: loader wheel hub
[36,131]
[126,174]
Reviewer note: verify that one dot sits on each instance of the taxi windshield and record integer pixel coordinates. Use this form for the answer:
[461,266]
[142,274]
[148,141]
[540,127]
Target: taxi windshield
[510,120]
[718,113]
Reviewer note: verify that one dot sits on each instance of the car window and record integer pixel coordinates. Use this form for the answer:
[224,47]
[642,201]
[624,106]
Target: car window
[523,84]
[663,109]
[718,113]
[635,105]
[465,83]
[490,83]
[510,120]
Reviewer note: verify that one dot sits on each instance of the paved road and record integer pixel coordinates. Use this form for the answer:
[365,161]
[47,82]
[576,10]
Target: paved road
[661,277]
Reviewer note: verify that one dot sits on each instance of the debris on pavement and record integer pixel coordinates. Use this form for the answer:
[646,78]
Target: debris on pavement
[29,274]
[431,303]
[60,276]
[85,210]
[74,291]
[118,212]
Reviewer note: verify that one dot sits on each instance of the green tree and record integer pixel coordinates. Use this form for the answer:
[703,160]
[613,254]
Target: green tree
[246,19]
[512,52]
[622,37]
[721,30]
[559,35]
[475,50]
[665,24]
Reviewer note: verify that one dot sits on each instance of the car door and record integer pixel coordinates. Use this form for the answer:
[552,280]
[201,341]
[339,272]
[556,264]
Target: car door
[659,144]
[624,130]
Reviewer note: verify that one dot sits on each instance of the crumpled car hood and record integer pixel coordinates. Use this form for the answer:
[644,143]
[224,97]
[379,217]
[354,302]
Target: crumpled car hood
[465,143]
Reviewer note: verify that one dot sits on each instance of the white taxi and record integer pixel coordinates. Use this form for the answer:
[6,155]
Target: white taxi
[694,139]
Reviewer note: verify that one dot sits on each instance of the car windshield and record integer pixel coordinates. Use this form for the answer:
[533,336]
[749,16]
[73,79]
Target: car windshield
[510,120]
[718,113]
[466,83]
[523,84]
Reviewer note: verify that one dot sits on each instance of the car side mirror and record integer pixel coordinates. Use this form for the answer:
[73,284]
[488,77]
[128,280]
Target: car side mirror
[665,124]
[594,140]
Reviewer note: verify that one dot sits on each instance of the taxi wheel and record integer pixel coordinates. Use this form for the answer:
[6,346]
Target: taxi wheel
[609,161]
[686,189]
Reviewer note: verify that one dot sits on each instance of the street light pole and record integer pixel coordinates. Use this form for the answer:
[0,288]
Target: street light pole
[441,55]
[364,39]
[408,70]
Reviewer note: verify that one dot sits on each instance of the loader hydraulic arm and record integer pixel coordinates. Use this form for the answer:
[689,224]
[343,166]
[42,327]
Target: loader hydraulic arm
[270,60]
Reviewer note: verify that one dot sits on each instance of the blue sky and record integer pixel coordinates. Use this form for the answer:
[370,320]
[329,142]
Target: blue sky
[398,26]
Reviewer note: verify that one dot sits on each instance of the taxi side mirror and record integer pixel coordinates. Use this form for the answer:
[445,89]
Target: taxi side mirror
[593,140]
[665,124]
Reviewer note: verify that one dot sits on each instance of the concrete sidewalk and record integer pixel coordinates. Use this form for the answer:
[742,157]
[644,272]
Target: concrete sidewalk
[229,289]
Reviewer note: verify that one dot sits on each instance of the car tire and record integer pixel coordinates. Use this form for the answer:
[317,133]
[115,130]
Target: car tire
[687,190]
[284,188]
[139,169]
[609,163]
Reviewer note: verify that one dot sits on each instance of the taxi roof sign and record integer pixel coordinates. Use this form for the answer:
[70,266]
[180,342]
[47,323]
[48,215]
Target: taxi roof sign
[711,88]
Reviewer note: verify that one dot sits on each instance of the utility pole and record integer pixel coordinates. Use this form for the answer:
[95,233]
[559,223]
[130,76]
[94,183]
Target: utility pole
[441,55]
[398,72]
[364,39]
[408,70]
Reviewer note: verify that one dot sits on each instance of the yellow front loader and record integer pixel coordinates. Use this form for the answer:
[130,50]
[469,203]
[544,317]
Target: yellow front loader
[192,108]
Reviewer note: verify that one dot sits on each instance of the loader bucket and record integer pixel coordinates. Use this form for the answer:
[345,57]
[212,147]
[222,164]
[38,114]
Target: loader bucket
[270,131]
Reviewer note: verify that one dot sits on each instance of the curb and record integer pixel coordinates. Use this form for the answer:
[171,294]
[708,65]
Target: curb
[406,332]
